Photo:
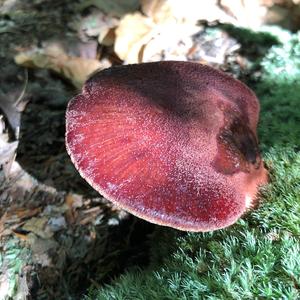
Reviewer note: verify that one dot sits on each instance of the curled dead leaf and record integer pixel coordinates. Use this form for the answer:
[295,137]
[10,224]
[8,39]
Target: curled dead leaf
[76,69]
[39,226]
[140,39]
[134,31]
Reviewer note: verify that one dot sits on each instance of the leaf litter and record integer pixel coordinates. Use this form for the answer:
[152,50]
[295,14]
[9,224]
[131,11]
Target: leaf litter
[57,236]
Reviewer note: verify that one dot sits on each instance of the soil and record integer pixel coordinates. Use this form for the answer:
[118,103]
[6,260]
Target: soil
[119,241]
[92,241]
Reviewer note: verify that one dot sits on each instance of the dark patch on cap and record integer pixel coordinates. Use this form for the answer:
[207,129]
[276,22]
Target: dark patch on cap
[237,148]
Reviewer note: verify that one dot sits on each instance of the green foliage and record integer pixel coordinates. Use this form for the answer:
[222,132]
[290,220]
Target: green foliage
[13,259]
[250,40]
[255,258]
[279,91]
[258,257]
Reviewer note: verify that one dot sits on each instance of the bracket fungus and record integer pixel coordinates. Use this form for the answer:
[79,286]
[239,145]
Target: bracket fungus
[171,142]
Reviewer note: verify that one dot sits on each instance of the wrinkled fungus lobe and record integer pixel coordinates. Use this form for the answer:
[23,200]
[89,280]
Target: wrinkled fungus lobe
[171,142]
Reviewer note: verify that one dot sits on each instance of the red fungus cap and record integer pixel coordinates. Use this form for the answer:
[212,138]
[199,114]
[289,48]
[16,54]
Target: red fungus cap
[173,143]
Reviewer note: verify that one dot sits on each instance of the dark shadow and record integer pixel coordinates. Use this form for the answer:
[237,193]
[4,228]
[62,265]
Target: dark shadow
[168,88]
[41,149]
[30,23]
[116,249]
[42,153]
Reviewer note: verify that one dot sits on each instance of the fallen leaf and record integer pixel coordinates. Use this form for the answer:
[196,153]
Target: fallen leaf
[157,10]
[190,11]
[139,39]
[76,69]
[133,32]
[172,43]
[72,201]
[38,226]
[23,213]
[165,30]
[247,13]
[21,236]
[2,222]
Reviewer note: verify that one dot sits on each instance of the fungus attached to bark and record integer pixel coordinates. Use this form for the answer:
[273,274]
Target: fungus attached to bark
[173,143]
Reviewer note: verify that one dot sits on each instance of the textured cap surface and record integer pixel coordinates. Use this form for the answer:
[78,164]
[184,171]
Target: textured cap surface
[171,142]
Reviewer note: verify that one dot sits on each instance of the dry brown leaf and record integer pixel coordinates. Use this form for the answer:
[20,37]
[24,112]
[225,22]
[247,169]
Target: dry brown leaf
[139,39]
[254,13]
[134,31]
[158,10]
[168,25]
[76,69]
[2,222]
[72,201]
[38,226]
[89,219]
[23,213]
[165,29]
[188,11]
[247,13]
[21,236]
[172,43]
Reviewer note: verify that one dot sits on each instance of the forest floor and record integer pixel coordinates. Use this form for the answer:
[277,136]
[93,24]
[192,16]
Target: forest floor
[58,237]
[61,236]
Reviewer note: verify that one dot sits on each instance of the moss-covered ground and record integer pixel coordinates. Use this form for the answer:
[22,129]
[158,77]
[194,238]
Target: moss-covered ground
[258,257]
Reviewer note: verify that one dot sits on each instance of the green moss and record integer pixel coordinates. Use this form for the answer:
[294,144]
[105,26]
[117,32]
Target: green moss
[13,258]
[255,258]
[258,257]
[253,43]
[279,90]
